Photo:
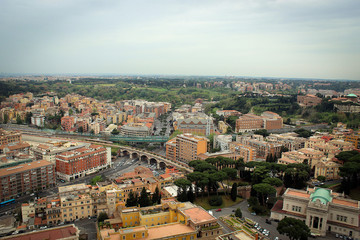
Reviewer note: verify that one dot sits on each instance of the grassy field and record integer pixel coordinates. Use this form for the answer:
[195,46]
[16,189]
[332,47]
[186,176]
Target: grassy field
[227,202]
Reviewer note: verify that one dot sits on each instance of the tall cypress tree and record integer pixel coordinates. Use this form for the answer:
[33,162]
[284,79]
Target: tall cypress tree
[233,193]
[132,200]
[144,199]
[156,198]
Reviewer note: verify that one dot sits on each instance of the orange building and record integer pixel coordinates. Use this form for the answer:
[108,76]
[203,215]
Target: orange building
[308,100]
[171,149]
[188,147]
[272,120]
[67,123]
[249,122]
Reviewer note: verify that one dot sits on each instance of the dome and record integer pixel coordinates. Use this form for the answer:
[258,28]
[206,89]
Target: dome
[351,95]
[322,194]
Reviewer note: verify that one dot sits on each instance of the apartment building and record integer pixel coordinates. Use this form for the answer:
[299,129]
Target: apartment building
[250,122]
[288,140]
[309,155]
[171,149]
[189,146]
[272,120]
[263,148]
[246,152]
[68,123]
[321,209]
[327,168]
[354,139]
[135,129]
[308,100]
[48,152]
[222,142]
[25,178]
[82,161]
[7,137]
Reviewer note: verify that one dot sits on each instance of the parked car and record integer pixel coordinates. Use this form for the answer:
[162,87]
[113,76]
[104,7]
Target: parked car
[218,210]
[253,213]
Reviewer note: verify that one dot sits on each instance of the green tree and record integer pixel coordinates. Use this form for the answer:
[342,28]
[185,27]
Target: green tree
[233,193]
[238,213]
[182,184]
[18,119]
[132,200]
[264,190]
[96,179]
[6,119]
[262,132]
[80,129]
[191,195]
[273,181]
[102,217]
[259,174]
[28,117]
[321,178]
[295,229]
[156,198]
[144,199]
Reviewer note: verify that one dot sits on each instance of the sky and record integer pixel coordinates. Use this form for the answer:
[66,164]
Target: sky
[258,38]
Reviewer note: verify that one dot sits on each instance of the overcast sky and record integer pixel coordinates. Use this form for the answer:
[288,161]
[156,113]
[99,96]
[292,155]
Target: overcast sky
[264,38]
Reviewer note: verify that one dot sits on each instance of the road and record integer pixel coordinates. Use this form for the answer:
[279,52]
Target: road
[259,219]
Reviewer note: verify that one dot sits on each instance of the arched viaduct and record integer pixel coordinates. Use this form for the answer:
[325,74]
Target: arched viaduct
[151,158]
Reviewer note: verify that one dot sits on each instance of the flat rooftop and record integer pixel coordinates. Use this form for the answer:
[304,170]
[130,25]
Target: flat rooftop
[198,215]
[167,230]
[24,167]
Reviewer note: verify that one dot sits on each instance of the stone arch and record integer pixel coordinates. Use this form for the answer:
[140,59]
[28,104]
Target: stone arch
[162,165]
[153,161]
[134,155]
[144,158]
[125,153]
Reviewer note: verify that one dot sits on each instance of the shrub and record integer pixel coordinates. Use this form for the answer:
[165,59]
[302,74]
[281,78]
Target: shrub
[253,201]
[215,201]
[238,213]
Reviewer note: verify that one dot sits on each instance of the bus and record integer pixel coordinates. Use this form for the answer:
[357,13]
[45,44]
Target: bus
[8,202]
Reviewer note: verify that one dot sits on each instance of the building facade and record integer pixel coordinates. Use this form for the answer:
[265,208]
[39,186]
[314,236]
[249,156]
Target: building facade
[188,147]
[25,178]
[82,161]
[321,209]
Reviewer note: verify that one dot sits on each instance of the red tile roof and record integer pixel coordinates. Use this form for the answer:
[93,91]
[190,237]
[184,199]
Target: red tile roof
[49,234]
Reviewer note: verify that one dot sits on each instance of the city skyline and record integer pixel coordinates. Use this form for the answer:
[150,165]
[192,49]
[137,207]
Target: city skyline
[285,39]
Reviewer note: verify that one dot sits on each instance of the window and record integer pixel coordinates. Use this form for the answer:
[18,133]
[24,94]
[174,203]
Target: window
[296,209]
[341,218]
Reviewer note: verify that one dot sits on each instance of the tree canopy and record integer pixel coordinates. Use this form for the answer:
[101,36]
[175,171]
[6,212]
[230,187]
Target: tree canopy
[295,229]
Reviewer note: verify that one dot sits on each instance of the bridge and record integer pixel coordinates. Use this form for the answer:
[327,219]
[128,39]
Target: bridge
[144,155]
[151,158]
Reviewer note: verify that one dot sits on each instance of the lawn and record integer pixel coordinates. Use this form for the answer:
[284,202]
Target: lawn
[227,202]
[355,193]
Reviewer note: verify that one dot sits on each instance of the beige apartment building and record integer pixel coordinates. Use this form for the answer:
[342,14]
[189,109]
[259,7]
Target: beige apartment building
[75,202]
